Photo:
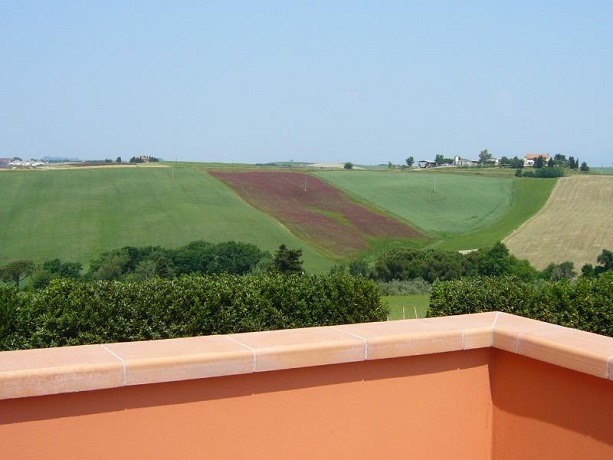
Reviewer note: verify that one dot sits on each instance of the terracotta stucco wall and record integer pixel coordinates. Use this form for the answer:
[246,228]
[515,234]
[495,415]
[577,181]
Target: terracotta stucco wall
[481,386]
[435,406]
[546,412]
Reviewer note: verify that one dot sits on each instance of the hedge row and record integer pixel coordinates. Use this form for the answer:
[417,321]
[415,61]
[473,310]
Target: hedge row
[70,312]
[586,303]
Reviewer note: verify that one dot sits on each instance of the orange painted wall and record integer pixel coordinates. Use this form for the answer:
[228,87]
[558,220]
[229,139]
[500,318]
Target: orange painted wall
[546,412]
[427,407]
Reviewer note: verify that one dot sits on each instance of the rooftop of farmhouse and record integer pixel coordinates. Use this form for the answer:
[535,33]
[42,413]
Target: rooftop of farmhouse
[480,386]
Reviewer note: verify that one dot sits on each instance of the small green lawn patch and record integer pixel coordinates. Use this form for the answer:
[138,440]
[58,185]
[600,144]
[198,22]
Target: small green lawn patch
[407,306]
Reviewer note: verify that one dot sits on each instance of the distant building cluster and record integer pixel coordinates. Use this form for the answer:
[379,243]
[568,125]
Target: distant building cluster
[16,162]
[19,163]
[144,159]
[528,160]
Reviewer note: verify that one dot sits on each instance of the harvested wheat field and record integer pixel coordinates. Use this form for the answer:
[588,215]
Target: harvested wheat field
[575,224]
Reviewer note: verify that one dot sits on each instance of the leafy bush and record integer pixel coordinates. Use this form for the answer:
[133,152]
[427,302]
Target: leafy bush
[586,303]
[10,302]
[71,312]
[549,172]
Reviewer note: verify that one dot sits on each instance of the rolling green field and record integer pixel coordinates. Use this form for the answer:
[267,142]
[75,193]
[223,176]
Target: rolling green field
[438,204]
[461,211]
[76,214]
[528,197]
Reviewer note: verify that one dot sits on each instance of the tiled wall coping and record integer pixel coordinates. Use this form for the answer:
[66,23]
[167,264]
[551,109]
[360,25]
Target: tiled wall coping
[92,367]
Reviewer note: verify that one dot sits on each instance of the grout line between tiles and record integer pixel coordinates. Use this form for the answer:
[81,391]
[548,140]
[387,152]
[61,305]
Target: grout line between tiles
[124,365]
[495,319]
[358,337]
[608,369]
[492,337]
[463,339]
[253,352]
[518,337]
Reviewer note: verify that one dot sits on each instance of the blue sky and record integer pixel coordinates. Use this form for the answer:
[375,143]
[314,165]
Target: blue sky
[322,81]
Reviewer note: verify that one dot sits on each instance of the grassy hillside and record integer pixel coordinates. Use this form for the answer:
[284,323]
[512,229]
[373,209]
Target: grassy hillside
[439,204]
[528,196]
[76,214]
[462,211]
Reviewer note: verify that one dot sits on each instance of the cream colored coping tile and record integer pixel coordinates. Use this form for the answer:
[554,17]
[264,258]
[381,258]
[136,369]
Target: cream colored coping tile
[57,370]
[570,348]
[423,336]
[293,348]
[182,359]
[509,328]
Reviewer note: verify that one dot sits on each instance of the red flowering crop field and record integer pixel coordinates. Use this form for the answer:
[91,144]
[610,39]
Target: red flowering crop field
[315,211]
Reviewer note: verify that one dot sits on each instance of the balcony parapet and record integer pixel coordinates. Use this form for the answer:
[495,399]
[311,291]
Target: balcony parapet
[40,372]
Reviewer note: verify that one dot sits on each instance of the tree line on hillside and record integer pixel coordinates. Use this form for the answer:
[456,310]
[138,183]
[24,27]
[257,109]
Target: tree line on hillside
[140,263]
[420,267]
[558,160]
[430,265]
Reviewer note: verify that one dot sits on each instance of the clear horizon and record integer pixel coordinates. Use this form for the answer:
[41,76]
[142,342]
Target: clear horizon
[257,82]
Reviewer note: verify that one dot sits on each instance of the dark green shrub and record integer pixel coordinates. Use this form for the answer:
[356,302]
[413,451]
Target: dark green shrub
[549,172]
[12,305]
[586,303]
[71,312]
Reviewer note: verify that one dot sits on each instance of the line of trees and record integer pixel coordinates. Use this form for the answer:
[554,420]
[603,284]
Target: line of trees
[554,166]
[139,263]
[430,265]
[201,258]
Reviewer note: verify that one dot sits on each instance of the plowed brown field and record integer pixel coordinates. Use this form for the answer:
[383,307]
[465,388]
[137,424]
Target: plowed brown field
[575,224]
[314,210]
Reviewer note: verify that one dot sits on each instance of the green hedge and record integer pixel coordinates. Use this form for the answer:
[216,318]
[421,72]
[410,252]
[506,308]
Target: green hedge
[70,312]
[586,303]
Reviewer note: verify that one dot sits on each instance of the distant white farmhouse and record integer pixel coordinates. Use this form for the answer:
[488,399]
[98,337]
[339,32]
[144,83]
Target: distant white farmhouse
[530,158]
[426,164]
[459,161]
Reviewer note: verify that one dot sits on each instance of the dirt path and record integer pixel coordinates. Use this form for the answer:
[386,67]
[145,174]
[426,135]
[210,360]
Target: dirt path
[575,224]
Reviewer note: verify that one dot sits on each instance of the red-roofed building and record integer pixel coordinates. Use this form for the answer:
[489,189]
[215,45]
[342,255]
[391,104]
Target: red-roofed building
[530,158]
